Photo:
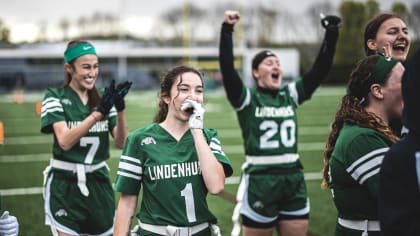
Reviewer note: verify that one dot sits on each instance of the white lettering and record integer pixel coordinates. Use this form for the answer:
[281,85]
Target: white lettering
[274,111]
[100,126]
[177,170]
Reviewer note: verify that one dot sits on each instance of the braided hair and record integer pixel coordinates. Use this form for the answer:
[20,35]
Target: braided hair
[352,111]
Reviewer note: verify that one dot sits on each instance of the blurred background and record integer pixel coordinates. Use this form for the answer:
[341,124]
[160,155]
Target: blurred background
[138,40]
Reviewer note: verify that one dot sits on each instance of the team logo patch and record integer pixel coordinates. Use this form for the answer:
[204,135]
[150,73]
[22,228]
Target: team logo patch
[61,213]
[258,205]
[66,101]
[148,140]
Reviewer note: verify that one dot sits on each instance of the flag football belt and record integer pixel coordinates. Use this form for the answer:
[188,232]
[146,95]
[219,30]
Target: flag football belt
[277,159]
[78,168]
[363,225]
[178,231]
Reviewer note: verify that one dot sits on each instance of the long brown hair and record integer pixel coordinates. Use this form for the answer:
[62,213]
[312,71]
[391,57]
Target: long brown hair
[93,95]
[165,88]
[352,110]
[372,27]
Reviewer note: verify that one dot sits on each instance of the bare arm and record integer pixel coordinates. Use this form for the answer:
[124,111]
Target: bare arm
[67,137]
[125,213]
[120,131]
[211,169]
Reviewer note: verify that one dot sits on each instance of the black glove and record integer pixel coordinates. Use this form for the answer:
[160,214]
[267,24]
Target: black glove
[120,91]
[330,21]
[107,100]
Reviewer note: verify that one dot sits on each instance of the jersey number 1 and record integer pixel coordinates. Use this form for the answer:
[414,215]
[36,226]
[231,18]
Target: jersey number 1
[187,193]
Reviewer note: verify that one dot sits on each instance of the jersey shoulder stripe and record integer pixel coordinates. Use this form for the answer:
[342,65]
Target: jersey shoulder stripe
[293,92]
[246,101]
[130,167]
[51,105]
[367,166]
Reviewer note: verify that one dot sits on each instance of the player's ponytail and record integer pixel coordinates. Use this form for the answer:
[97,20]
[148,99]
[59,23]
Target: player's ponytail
[352,110]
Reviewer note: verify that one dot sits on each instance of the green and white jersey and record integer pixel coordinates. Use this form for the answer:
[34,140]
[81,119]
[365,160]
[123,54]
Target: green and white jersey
[268,123]
[174,192]
[354,171]
[63,104]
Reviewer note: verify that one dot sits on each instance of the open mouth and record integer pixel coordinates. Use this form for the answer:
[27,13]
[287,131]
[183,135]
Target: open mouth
[187,108]
[400,46]
[89,79]
[275,76]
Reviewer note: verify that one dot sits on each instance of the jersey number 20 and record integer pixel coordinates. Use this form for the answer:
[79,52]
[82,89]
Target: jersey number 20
[287,132]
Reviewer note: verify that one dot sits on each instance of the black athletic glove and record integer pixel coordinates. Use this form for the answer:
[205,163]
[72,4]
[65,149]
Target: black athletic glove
[330,21]
[107,100]
[120,91]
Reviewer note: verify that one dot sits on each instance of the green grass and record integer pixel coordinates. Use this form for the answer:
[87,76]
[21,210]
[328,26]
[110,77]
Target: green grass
[26,151]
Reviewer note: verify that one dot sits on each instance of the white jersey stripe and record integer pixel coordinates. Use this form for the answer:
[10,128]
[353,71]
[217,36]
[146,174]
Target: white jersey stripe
[246,101]
[215,140]
[366,157]
[50,99]
[370,174]
[293,92]
[130,167]
[132,159]
[128,175]
[276,159]
[60,109]
[366,168]
[215,146]
[50,105]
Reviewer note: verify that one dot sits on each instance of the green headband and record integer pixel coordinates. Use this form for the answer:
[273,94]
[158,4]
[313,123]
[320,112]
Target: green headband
[79,50]
[379,73]
[381,69]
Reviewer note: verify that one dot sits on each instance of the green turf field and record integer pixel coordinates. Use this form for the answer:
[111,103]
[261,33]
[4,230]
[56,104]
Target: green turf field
[25,154]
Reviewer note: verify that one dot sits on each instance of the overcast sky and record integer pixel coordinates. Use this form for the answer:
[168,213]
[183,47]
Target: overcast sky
[22,16]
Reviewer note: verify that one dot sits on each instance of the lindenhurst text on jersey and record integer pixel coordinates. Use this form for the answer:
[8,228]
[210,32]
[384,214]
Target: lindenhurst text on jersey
[274,111]
[176,170]
[100,126]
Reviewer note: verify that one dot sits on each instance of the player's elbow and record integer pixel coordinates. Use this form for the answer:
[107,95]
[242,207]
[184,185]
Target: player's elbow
[215,190]
[119,145]
[65,147]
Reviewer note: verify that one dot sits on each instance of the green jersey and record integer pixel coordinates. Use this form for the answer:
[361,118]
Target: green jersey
[268,123]
[354,171]
[63,104]
[174,192]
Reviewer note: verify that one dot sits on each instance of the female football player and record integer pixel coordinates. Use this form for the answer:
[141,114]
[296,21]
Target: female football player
[388,33]
[272,192]
[177,162]
[359,138]
[387,30]
[79,198]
